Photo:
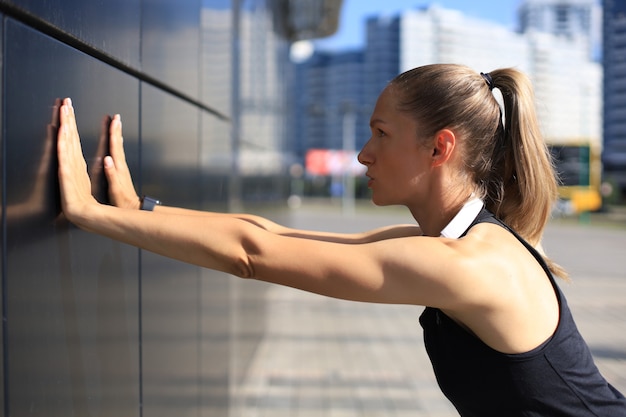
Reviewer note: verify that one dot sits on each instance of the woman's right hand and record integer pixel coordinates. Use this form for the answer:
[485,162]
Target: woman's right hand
[121,189]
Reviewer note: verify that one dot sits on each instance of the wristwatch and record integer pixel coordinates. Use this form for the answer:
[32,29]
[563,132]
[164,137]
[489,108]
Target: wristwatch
[148,203]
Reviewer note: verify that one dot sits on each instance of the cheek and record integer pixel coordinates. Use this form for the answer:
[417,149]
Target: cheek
[408,165]
[411,171]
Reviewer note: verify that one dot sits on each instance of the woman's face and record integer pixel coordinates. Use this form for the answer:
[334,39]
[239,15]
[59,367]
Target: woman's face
[397,164]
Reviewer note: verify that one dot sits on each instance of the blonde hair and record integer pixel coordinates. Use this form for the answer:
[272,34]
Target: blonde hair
[509,164]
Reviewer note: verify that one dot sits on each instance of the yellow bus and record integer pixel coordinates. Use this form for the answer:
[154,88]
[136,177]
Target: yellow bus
[579,167]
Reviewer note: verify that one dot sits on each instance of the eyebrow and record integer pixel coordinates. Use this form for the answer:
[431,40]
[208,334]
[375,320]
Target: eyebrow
[376,121]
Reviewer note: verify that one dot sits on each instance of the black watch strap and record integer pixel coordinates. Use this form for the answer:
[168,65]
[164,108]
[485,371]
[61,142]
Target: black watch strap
[148,203]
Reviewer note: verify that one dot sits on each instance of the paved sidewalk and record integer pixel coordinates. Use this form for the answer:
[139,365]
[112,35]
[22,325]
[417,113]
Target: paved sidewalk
[325,357]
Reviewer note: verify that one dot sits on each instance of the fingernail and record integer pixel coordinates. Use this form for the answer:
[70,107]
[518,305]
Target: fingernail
[69,101]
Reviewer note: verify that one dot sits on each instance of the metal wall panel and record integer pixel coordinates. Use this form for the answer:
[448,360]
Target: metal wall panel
[110,26]
[170,289]
[91,326]
[216,75]
[170,46]
[217,341]
[3,241]
[72,297]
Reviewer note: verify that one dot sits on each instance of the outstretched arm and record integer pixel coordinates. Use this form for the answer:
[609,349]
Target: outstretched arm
[374,235]
[407,270]
[122,194]
[139,228]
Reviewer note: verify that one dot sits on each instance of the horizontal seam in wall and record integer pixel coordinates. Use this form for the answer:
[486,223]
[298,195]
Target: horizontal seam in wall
[54,32]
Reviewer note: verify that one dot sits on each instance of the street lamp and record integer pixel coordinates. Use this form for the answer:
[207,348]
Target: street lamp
[349,143]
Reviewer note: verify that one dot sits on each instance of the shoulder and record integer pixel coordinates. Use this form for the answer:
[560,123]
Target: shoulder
[448,273]
[484,245]
[507,299]
[489,261]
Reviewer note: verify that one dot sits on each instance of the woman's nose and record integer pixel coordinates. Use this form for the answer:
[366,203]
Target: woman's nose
[364,157]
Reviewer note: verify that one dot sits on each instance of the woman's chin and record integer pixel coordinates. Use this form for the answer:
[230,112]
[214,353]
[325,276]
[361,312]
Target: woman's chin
[380,202]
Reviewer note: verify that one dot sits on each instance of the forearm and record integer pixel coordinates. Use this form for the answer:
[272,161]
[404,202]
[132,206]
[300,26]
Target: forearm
[258,221]
[215,242]
[383,233]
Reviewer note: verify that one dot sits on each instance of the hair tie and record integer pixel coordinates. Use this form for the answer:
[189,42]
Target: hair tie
[497,94]
[487,79]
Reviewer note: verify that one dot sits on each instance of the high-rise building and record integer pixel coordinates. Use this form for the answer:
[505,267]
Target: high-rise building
[568,18]
[614,92]
[261,93]
[567,83]
[437,35]
[328,86]
[382,56]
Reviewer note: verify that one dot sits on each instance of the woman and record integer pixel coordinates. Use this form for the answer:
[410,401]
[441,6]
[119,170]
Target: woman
[477,178]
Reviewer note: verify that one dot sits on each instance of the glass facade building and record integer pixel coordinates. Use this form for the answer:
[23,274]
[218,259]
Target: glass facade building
[330,85]
[569,18]
[614,92]
[567,83]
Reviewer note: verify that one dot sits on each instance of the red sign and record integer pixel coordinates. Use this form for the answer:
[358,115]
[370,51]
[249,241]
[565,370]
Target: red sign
[332,162]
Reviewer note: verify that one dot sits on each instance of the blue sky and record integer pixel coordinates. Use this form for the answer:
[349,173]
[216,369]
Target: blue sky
[354,13]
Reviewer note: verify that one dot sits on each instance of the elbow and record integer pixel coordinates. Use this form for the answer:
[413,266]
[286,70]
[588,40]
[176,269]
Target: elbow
[247,249]
[242,267]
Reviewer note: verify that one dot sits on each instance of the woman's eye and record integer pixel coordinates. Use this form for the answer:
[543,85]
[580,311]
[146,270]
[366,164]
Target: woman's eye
[380,133]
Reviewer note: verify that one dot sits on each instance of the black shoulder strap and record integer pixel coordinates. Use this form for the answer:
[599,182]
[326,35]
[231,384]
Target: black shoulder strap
[485,216]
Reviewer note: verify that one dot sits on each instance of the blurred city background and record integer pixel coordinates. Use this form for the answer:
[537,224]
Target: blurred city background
[572,50]
[262,105]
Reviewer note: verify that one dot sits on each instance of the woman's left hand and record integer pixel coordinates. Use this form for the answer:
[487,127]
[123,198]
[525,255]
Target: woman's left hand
[121,189]
[74,180]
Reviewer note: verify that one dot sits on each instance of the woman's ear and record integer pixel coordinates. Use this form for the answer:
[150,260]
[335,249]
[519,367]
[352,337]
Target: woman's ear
[444,144]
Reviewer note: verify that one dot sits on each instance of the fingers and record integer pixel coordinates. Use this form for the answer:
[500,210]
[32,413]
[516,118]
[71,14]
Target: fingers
[110,170]
[116,142]
[71,162]
[68,139]
[121,190]
[68,119]
[111,175]
[75,185]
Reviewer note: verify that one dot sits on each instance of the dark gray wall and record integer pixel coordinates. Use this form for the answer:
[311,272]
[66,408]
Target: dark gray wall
[92,326]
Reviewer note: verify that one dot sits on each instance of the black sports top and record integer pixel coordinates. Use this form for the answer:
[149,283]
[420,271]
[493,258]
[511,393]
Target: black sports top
[557,379]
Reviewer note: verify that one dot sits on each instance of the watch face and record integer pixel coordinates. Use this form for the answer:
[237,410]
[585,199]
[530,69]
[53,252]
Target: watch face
[148,203]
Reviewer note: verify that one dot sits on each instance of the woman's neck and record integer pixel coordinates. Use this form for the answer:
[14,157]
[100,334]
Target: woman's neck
[434,216]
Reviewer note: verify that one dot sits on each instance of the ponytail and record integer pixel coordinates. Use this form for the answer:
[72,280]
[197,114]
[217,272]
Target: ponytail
[523,185]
